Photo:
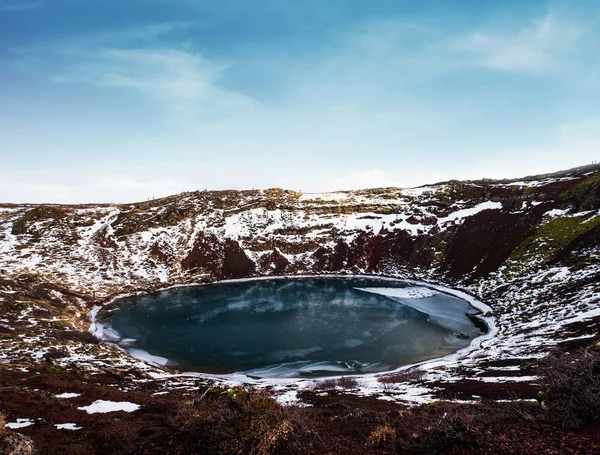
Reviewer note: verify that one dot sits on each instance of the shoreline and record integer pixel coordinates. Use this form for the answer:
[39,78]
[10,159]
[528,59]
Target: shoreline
[97,329]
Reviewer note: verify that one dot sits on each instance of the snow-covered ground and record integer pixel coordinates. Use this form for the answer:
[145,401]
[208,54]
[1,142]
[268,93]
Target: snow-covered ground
[89,255]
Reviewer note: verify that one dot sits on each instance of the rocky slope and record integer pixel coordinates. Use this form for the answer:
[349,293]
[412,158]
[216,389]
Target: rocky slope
[530,248]
[461,232]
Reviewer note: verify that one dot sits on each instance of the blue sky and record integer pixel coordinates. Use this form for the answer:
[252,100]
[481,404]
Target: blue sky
[125,100]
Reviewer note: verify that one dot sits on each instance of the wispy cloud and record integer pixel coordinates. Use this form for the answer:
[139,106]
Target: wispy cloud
[169,73]
[184,80]
[140,58]
[237,108]
[541,46]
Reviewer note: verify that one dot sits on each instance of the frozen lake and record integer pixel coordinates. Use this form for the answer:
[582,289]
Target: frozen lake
[296,327]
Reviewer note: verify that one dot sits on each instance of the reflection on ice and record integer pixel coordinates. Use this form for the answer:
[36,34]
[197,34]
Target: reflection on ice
[448,312]
[314,369]
[294,327]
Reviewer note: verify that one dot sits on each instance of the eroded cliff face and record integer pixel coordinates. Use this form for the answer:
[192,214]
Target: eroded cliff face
[530,248]
[458,232]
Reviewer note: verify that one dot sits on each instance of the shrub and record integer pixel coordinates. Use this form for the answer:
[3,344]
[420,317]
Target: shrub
[345,382]
[571,383]
[431,429]
[242,421]
[410,375]
[2,426]
[381,436]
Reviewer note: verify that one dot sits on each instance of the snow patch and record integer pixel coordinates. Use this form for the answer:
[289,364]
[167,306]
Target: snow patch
[147,357]
[464,213]
[402,293]
[20,423]
[556,213]
[288,398]
[102,407]
[68,395]
[67,426]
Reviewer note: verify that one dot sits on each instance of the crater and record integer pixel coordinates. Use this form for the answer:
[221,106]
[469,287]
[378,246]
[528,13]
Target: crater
[294,327]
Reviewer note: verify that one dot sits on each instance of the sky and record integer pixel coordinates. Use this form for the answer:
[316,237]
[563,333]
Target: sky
[125,100]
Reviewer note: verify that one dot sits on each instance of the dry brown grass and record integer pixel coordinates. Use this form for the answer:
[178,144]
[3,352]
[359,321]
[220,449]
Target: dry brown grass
[243,421]
[345,382]
[379,437]
[432,428]
[571,383]
[411,375]
[2,425]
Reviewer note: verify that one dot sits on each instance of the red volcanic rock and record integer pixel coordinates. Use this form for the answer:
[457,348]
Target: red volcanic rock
[326,260]
[341,256]
[397,246]
[206,255]
[365,252]
[485,240]
[371,253]
[222,260]
[236,264]
[321,258]
[273,262]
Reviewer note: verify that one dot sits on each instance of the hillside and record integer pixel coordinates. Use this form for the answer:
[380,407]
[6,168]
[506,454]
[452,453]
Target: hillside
[529,248]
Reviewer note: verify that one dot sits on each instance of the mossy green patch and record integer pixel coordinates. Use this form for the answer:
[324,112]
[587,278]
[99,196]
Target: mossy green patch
[550,237]
[530,190]
[586,194]
[562,231]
